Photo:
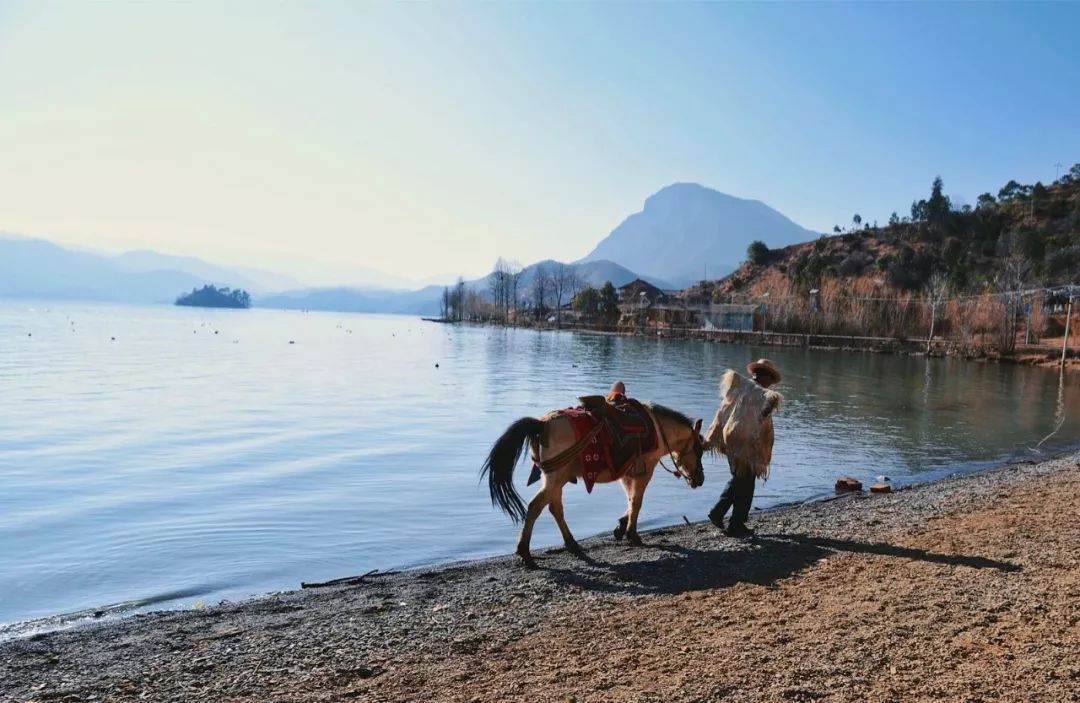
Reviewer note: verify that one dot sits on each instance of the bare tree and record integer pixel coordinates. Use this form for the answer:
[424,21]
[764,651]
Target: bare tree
[935,291]
[459,299]
[563,285]
[513,284]
[1011,280]
[499,285]
[541,288]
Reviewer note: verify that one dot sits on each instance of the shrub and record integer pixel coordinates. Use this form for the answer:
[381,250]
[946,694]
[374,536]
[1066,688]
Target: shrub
[758,252]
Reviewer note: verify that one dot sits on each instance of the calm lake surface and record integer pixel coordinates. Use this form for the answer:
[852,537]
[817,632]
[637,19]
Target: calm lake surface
[201,456]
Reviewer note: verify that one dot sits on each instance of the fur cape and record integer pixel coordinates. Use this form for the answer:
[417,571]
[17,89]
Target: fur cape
[743,428]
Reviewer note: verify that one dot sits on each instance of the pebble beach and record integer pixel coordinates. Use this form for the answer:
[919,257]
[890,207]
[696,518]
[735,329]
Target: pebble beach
[967,588]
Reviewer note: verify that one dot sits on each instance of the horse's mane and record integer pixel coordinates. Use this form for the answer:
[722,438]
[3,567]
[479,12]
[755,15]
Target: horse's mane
[670,414]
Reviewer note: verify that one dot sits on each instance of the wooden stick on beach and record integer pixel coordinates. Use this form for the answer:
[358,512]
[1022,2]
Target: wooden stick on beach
[340,581]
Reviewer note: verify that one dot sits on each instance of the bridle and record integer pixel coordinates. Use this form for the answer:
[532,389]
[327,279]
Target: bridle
[677,472]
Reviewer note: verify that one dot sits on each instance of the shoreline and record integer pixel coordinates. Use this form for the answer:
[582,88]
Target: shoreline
[1025,355]
[372,638]
[107,613]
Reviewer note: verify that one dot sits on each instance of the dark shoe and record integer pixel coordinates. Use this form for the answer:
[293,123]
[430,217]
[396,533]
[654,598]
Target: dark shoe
[738,530]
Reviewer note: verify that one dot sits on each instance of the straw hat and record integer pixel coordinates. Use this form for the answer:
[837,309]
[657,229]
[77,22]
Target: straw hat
[764,366]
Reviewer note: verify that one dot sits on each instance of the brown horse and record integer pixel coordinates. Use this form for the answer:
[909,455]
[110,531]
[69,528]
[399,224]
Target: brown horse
[550,436]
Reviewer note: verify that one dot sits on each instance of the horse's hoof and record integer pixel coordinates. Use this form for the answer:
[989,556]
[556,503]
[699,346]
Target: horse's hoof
[574,548]
[620,529]
[634,540]
[528,562]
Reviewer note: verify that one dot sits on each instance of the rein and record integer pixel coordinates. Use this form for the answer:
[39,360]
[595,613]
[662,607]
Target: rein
[677,473]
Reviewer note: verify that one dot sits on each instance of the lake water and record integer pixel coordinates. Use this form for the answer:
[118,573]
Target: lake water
[160,456]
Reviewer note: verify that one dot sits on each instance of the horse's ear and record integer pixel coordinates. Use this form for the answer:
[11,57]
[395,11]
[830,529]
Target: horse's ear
[697,426]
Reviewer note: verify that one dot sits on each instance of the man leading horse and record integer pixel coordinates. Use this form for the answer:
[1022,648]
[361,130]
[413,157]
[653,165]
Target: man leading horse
[743,431]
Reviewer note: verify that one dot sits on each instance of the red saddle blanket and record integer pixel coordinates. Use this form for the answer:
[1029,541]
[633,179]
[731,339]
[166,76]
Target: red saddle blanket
[626,432]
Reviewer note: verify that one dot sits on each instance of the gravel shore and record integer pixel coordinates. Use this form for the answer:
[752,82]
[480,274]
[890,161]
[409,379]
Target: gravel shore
[963,589]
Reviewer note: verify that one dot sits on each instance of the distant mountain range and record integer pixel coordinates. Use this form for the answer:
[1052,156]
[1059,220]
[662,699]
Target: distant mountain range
[35,268]
[687,228]
[425,301]
[681,230]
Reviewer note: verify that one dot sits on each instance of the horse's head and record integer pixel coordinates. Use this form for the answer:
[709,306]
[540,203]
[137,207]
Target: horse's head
[688,456]
[683,441]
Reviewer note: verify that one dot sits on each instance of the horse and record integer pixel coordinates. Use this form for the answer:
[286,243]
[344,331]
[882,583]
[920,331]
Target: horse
[552,435]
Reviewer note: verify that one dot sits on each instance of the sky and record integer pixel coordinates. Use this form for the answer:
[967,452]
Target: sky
[426,139]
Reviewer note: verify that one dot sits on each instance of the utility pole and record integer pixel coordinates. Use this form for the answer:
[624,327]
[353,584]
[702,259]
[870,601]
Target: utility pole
[1065,341]
[1057,173]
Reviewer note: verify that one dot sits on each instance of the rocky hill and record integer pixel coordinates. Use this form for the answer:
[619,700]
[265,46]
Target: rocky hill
[1024,236]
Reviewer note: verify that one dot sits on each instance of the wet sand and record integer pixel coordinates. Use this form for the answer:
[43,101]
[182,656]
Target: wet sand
[966,589]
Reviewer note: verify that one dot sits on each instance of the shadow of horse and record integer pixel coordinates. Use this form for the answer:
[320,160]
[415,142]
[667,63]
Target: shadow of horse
[763,561]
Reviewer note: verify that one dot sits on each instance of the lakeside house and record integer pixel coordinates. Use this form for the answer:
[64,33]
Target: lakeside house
[733,317]
[644,305]
[639,293]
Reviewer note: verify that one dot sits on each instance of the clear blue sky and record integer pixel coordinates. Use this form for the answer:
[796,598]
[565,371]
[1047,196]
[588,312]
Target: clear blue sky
[423,139]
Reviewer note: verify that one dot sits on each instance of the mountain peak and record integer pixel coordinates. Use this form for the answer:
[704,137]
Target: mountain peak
[686,230]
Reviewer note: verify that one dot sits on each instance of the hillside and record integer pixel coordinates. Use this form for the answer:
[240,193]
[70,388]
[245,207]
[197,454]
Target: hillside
[972,281]
[1027,234]
[687,227]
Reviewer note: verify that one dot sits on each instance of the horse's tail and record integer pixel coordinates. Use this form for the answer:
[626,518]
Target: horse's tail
[501,461]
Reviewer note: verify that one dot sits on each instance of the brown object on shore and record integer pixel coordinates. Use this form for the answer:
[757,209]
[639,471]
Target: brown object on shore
[967,588]
[846,484]
[880,488]
[345,580]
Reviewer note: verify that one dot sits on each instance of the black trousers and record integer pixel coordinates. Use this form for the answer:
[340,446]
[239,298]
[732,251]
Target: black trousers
[738,495]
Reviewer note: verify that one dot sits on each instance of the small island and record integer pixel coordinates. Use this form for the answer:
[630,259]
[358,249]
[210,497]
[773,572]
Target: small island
[213,297]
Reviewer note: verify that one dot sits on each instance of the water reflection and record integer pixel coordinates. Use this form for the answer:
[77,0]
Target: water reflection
[174,461]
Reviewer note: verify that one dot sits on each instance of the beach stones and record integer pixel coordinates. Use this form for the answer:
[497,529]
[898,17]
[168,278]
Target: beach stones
[846,484]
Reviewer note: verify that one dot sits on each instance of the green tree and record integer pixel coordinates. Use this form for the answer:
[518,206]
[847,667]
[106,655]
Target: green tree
[1032,246]
[938,206]
[894,219]
[586,302]
[951,251]
[857,219]
[758,252]
[1012,190]
[985,201]
[609,303]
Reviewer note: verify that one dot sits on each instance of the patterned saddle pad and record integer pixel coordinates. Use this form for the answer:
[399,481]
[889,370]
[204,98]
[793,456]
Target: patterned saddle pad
[625,434]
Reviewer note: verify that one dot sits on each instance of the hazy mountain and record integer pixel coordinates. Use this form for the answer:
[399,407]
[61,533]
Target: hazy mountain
[426,301]
[593,273]
[39,269]
[685,227]
[250,279]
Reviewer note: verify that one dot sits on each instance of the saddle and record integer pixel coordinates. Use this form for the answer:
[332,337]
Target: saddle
[613,436]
